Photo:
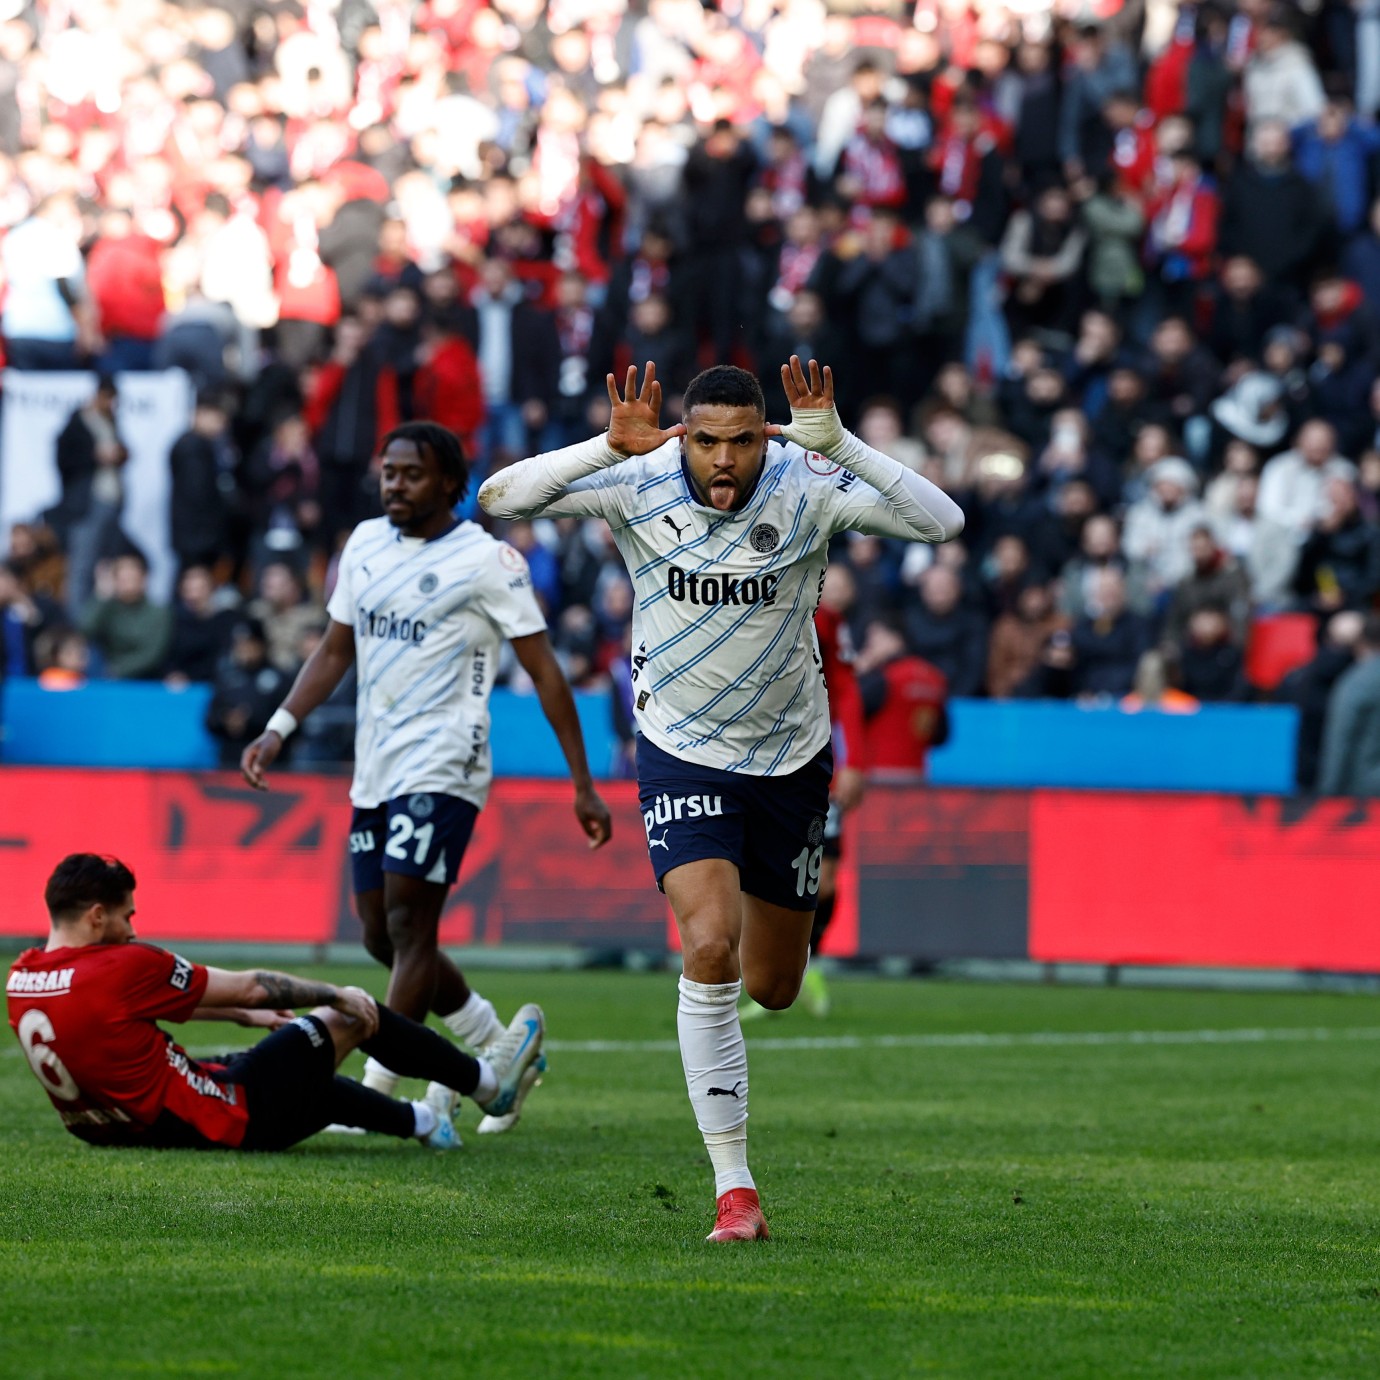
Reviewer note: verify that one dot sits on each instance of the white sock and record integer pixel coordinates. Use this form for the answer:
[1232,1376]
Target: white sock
[488,1083]
[379,1078]
[425,1120]
[714,1056]
[476,1023]
[728,1155]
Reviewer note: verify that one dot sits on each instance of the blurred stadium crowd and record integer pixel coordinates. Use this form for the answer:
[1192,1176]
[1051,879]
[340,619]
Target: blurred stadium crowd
[1104,269]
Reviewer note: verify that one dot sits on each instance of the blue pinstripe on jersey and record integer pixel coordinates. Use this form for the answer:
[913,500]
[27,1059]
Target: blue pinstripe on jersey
[793,622]
[655,512]
[398,782]
[375,675]
[777,724]
[770,483]
[676,672]
[443,550]
[655,481]
[450,664]
[716,558]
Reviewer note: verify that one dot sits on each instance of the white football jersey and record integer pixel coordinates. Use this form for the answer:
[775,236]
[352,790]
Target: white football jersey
[726,670]
[429,619]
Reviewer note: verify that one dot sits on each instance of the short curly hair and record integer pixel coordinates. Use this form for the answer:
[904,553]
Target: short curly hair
[724,385]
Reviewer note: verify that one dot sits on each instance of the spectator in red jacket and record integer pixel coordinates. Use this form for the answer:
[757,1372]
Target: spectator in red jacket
[446,387]
[124,273]
[1182,238]
[904,698]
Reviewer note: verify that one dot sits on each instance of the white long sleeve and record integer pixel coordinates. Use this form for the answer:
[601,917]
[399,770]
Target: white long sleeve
[552,484]
[910,508]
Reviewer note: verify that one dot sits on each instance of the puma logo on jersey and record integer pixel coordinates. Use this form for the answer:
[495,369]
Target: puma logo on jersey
[658,843]
[678,530]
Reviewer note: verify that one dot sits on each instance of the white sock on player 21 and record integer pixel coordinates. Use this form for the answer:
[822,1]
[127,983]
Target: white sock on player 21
[714,1056]
[476,1023]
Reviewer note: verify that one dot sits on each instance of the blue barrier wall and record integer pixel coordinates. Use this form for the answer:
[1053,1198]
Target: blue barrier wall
[107,724]
[1234,748]
[133,724]
[1246,749]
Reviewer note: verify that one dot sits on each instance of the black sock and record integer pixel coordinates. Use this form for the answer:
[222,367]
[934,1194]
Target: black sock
[352,1104]
[824,913]
[412,1051]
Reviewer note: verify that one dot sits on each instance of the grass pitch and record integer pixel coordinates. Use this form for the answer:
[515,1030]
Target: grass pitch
[1061,1197]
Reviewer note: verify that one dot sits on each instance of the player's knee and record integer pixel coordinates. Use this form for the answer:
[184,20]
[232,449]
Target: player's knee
[378,946]
[345,1034]
[710,958]
[776,991]
[410,934]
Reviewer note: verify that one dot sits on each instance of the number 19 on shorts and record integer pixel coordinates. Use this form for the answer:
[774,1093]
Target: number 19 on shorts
[807,865]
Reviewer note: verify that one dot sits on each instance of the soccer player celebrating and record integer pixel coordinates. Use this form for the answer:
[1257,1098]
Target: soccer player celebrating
[422,603]
[86,1009]
[725,530]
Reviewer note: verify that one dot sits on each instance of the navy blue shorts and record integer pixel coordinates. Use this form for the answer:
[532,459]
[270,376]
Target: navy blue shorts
[833,832]
[420,835]
[770,827]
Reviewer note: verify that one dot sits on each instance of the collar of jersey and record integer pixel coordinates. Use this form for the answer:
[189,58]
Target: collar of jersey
[402,536]
[709,508]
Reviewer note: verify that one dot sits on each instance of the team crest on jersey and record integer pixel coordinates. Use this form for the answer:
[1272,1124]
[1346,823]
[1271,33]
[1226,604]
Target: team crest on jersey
[818,464]
[511,558]
[764,537]
[427,583]
[816,833]
[420,806]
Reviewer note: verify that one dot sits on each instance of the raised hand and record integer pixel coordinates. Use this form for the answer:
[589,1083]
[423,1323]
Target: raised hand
[807,393]
[814,423]
[634,417]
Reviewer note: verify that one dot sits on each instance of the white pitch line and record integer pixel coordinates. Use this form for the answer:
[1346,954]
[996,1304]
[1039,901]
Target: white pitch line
[984,1040]
[976,1039]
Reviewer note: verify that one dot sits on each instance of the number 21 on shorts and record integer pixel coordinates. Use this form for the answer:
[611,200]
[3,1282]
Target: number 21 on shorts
[401,831]
[807,864]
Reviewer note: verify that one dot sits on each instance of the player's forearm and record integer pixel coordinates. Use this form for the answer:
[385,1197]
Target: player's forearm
[525,489]
[282,991]
[316,681]
[558,704]
[918,510]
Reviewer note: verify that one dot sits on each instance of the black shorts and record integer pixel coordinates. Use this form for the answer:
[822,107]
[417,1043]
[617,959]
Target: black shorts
[770,827]
[833,832]
[419,835]
[288,1080]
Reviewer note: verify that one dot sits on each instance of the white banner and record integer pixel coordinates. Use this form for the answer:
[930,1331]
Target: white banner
[154,410]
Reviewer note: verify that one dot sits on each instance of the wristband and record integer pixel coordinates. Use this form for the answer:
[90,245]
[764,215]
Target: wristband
[817,429]
[282,723]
